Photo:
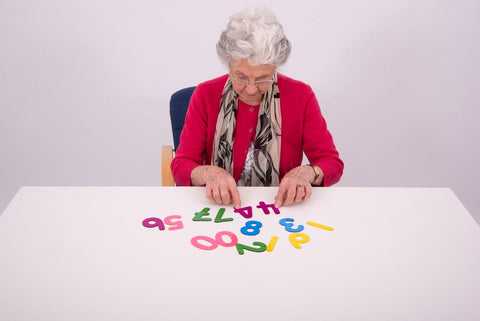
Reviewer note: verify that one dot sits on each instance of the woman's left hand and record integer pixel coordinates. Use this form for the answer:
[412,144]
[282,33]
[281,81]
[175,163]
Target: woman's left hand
[295,186]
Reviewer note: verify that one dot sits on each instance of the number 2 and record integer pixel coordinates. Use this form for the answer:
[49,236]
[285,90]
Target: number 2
[241,247]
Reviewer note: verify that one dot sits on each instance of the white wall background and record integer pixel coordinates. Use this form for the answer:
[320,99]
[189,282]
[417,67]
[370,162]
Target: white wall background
[85,85]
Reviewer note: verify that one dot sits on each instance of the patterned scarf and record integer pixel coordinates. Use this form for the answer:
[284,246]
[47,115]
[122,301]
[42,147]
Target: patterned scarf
[266,158]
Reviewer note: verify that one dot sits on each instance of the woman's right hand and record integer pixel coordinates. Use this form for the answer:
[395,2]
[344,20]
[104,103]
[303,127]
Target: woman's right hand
[220,185]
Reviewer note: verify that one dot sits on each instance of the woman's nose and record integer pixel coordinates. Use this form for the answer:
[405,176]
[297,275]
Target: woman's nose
[251,89]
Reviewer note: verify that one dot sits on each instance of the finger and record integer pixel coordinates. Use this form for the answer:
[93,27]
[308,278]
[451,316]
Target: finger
[209,193]
[225,195]
[280,196]
[290,196]
[308,192]
[300,193]
[216,195]
[235,197]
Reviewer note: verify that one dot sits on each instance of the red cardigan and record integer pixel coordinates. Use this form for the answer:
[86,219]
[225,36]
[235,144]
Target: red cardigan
[303,130]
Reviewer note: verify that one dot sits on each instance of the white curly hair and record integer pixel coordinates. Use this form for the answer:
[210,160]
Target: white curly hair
[254,34]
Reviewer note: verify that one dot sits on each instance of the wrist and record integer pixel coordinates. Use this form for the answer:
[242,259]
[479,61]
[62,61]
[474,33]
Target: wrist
[318,174]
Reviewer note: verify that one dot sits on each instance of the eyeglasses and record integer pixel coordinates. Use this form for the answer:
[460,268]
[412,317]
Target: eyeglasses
[261,84]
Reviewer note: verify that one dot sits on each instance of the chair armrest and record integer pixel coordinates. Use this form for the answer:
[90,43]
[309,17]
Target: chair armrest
[167,157]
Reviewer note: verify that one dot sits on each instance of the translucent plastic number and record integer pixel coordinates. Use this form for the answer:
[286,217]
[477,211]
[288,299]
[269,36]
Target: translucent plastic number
[289,226]
[261,247]
[298,238]
[251,228]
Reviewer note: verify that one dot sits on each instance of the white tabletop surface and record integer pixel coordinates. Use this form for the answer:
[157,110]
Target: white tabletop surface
[82,253]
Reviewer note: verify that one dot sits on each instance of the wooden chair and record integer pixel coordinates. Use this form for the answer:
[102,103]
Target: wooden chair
[178,109]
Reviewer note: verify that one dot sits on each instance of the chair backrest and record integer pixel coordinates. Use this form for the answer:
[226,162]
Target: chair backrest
[178,109]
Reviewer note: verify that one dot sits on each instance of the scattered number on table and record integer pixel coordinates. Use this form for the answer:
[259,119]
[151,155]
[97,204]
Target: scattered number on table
[273,242]
[174,225]
[199,216]
[328,228]
[211,243]
[265,207]
[251,228]
[261,247]
[219,218]
[207,243]
[244,211]
[153,222]
[287,222]
[233,239]
[298,238]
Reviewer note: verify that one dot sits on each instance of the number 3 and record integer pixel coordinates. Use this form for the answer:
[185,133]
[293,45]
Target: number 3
[289,226]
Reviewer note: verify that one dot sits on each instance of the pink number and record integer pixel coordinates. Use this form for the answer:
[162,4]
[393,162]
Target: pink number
[213,243]
[233,239]
[174,225]
[195,242]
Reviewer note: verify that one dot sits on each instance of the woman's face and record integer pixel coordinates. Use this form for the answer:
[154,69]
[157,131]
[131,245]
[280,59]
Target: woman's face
[250,82]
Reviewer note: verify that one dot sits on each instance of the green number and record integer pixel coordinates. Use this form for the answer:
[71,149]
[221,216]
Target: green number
[242,247]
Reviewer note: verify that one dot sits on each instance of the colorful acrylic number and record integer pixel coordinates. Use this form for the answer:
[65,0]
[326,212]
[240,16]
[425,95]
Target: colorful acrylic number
[261,247]
[251,228]
[289,226]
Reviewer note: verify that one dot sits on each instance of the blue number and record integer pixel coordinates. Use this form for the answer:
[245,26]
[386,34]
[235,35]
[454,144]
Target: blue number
[289,226]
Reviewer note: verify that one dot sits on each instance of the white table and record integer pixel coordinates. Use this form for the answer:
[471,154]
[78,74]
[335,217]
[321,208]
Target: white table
[82,253]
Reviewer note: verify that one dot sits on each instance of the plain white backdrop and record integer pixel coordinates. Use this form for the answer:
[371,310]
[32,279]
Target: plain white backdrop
[85,86]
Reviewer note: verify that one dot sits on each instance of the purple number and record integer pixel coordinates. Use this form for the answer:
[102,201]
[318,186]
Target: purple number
[153,222]
[244,211]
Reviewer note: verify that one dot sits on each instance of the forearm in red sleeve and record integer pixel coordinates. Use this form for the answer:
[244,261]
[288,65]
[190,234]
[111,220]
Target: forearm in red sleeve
[190,152]
[319,146]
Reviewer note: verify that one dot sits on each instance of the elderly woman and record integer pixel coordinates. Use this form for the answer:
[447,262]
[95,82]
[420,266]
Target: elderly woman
[252,126]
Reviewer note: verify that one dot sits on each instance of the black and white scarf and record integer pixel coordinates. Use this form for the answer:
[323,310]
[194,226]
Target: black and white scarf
[266,158]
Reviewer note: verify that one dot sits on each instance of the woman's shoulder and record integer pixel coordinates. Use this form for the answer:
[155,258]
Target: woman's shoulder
[290,85]
[207,94]
[214,83]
